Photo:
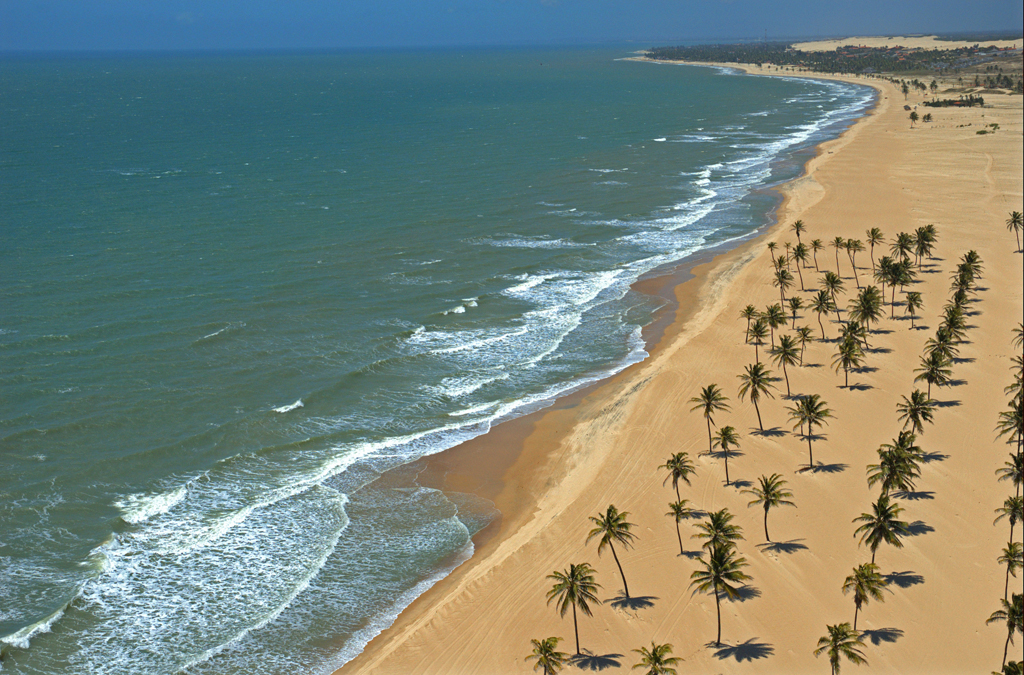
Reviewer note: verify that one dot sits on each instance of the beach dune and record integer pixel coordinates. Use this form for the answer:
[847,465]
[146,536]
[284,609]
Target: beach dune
[605,447]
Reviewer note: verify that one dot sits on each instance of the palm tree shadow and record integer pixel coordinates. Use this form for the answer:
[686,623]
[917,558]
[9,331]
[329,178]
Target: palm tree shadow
[956,383]
[741,483]
[692,555]
[813,365]
[914,496]
[933,457]
[791,546]
[744,593]
[633,603]
[880,635]
[774,431]
[859,387]
[864,369]
[919,527]
[903,579]
[948,404]
[745,651]
[838,467]
[718,454]
[591,661]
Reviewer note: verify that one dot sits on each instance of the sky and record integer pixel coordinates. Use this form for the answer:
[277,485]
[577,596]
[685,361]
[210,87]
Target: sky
[103,25]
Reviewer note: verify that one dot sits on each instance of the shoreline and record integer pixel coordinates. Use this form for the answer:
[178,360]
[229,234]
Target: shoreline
[581,453]
[481,465]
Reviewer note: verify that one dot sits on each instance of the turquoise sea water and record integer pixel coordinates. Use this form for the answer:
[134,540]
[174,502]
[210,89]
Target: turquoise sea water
[235,289]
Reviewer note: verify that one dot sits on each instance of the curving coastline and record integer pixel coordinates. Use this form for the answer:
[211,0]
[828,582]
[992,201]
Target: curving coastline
[604,444]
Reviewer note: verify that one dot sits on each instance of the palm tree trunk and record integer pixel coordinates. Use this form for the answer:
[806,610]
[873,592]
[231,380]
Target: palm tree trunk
[856,610]
[680,537]
[1006,587]
[815,254]
[576,628]
[810,451]
[710,446]
[757,359]
[822,327]
[758,410]
[784,372]
[873,552]
[726,453]
[624,586]
[766,523]
[847,371]
[675,484]
[718,606]
[1006,646]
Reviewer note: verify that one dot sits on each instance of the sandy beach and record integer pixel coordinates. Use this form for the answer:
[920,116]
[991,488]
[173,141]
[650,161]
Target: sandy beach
[550,472]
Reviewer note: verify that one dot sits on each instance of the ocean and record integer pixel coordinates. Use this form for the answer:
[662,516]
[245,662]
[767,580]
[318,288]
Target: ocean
[235,289]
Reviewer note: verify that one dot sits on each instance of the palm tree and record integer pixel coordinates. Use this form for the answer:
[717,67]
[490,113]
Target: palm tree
[576,588]
[833,284]
[786,354]
[656,660]
[816,246]
[881,525]
[800,255]
[812,411]
[757,333]
[710,401]
[612,526]
[934,370]
[915,411]
[822,304]
[749,312]
[902,246]
[853,247]
[866,308]
[783,280]
[726,439]
[914,303]
[680,510]
[1013,557]
[757,382]
[798,227]
[771,492]
[546,654]
[720,571]
[679,468]
[1012,470]
[1013,510]
[775,317]
[849,355]
[865,583]
[718,530]
[1012,613]
[795,304]
[897,466]
[874,236]
[803,336]
[841,641]
[942,344]
[1013,224]
[838,243]
[1011,423]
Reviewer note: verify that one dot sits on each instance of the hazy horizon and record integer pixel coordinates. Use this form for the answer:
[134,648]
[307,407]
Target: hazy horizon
[230,25]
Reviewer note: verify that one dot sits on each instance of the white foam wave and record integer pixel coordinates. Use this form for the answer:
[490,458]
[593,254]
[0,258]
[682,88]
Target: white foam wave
[20,639]
[290,407]
[138,508]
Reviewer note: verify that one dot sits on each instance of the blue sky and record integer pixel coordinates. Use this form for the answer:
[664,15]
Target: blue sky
[344,24]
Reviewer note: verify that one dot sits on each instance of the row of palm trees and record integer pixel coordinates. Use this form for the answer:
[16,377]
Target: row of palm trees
[1011,609]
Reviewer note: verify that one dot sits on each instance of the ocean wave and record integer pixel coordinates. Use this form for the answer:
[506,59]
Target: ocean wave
[138,508]
[290,407]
